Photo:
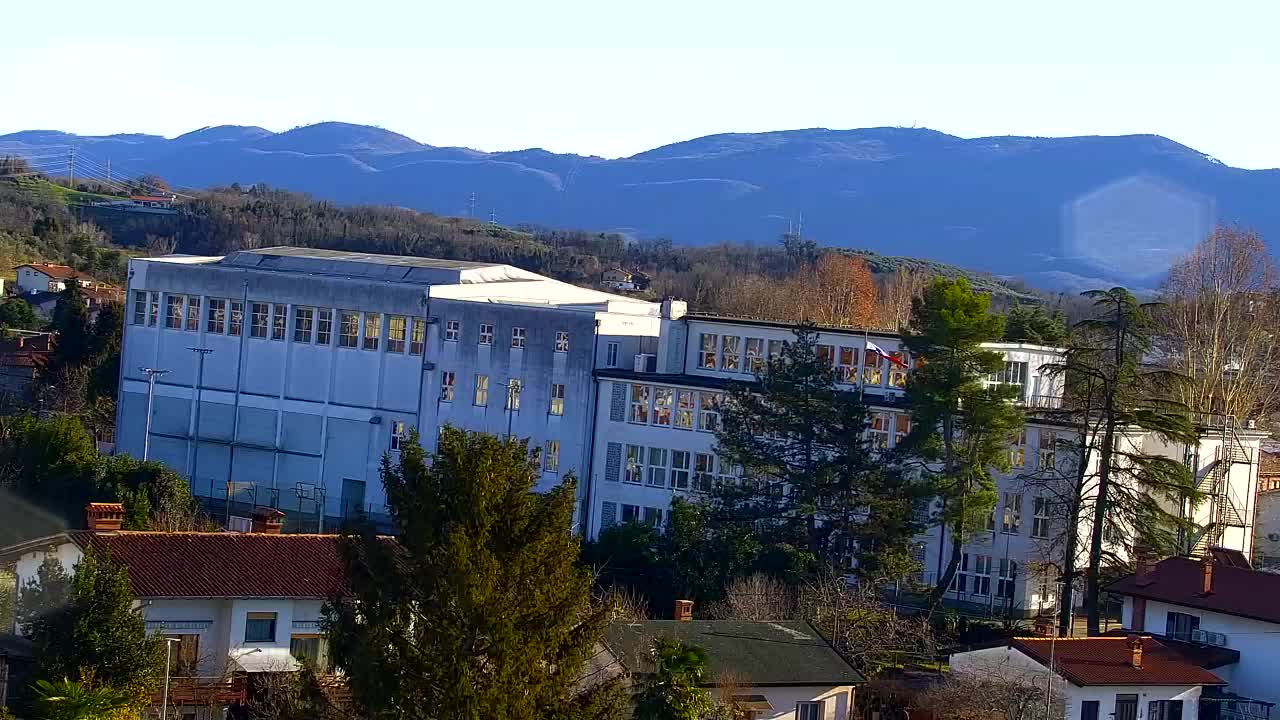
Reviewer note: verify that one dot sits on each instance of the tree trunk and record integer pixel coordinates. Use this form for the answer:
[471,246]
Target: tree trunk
[944,582]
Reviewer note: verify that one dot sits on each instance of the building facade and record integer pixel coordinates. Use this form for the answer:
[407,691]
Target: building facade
[313,364]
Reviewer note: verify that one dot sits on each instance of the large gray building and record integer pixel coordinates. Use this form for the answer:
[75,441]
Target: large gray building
[321,362]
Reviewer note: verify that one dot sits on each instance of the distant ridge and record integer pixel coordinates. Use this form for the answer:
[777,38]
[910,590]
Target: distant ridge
[1059,212]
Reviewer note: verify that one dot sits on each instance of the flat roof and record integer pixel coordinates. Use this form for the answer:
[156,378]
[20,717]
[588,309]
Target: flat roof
[361,257]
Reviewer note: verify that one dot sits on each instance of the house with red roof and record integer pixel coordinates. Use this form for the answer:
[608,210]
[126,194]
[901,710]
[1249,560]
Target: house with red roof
[1134,677]
[234,603]
[1219,603]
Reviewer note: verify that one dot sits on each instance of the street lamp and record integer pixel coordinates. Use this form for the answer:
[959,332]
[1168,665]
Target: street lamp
[151,391]
[168,664]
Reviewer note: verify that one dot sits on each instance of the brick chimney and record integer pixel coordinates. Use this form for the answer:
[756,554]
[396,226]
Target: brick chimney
[267,521]
[1135,651]
[1145,566]
[1206,574]
[684,610]
[104,517]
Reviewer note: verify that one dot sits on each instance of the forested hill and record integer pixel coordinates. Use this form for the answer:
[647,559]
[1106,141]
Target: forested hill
[1065,212]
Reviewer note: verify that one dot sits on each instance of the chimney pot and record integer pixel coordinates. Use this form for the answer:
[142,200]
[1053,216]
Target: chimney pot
[104,517]
[268,521]
[684,610]
[1206,566]
[1135,651]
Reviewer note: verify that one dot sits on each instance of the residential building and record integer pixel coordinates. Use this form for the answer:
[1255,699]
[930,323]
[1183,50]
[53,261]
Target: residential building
[237,604]
[322,361]
[22,356]
[1218,602]
[1125,678]
[50,277]
[780,670]
[1266,532]
[617,279]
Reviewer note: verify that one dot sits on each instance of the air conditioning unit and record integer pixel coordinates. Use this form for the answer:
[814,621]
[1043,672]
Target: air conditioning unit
[239,524]
[646,362]
[1206,637]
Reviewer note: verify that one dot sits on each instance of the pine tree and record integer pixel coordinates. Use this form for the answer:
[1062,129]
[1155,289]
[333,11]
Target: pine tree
[959,428]
[478,609]
[809,471]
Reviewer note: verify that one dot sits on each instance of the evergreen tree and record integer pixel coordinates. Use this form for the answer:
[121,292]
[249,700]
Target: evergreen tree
[673,690]
[17,314]
[479,609]
[71,322]
[1133,497]
[959,428]
[809,473]
[1033,325]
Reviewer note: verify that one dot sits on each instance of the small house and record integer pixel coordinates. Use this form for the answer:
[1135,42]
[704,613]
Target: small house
[618,279]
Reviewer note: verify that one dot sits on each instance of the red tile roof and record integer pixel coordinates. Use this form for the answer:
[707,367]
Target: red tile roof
[239,565]
[1236,591]
[1106,661]
[59,272]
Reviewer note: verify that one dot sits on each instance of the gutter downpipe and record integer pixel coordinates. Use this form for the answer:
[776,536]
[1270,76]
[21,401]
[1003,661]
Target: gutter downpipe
[585,514]
[235,418]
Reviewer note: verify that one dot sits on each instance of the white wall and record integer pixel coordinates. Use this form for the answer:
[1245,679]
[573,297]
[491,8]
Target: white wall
[27,567]
[836,700]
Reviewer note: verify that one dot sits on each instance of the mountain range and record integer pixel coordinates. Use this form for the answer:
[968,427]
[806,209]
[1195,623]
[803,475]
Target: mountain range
[1058,212]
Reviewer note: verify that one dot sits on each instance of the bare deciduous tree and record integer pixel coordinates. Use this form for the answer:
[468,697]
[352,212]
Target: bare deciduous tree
[1219,325]
[896,296]
[866,630]
[757,598]
[994,691]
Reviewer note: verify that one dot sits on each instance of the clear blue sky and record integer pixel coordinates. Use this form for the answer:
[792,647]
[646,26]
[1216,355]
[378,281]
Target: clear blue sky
[612,78]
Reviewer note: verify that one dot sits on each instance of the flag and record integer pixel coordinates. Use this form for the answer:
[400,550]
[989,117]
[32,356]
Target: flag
[872,347]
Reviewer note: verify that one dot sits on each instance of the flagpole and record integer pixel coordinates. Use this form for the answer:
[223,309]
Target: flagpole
[862,381]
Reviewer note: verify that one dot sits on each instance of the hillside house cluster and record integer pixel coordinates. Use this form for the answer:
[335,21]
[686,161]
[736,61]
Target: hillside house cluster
[40,283]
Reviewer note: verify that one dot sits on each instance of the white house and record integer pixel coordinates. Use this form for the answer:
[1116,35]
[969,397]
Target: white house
[780,670]
[235,603]
[49,277]
[1124,678]
[1218,604]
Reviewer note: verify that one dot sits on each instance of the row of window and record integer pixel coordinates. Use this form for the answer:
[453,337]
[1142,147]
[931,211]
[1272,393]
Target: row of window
[651,516]
[514,388]
[1046,452]
[519,335]
[1010,512]
[730,353]
[658,467]
[974,576]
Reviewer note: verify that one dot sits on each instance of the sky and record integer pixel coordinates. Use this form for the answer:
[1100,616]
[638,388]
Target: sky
[612,79]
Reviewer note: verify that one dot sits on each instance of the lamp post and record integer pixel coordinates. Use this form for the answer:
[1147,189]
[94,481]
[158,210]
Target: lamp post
[195,435]
[151,391]
[168,664]
[513,400]
[1053,641]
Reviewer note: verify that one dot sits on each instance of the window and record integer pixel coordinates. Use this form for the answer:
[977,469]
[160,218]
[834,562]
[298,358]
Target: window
[278,313]
[634,465]
[517,337]
[452,330]
[657,467]
[630,513]
[684,409]
[653,517]
[312,649]
[1048,450]
[235,326]
[1040,517]
[704,471]
[873,371]
[557,399]
[514,387]
[611,355]
[981,581]
[1011,520]
[1164,710]
[1179,626]
[372,330]
[709,415]
[398,435]
[662,406]
[639,404]
[486,334]
[139,307]
[153,309]
[173,311]
[562,341]
[1014,375]
[1018,453]
[847,365]
[1005,583]
[1088,710]
[260,627]
[324,326]
[879,430]
[216,316]
[348,329]
[809,711]
[395,333]
[901,428]
[707,351]
[679,470]
[446,386]
[755,355]
[303,322]
[775,349]
[482,390]
[898,373]
[730,353]
[186,656]
[193,313]
[418,337]
[258,319]
[551,458]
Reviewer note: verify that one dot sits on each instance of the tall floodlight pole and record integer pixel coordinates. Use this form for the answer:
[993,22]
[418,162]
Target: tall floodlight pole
[151,391]
[195,452]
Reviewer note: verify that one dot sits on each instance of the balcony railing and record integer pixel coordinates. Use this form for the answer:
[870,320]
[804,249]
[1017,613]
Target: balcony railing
[220,690]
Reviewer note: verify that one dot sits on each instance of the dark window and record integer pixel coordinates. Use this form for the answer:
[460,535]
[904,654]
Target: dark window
[260,627]
[1126,707]
[1179,626]
[1164,710]
[1089,710]
[352,497]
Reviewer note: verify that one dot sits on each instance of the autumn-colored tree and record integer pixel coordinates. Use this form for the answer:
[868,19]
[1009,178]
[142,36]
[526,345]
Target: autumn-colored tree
[899,290]
[835,290]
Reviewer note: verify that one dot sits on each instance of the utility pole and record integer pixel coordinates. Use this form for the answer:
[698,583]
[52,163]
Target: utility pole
[108,171]
[151,391]
[71,167]
[493,217]
[195,435]
[471,206]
